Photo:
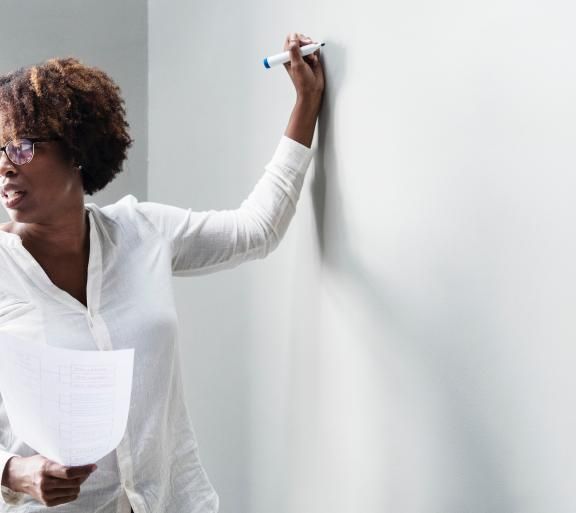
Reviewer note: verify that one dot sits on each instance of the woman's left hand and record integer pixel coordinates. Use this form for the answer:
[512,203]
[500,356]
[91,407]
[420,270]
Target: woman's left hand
[306,72]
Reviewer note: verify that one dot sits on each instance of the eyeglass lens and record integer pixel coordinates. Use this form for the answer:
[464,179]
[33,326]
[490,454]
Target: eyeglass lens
[20,151]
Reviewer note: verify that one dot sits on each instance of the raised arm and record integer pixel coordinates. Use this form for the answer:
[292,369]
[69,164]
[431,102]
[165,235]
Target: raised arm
[207,241]
[307,75]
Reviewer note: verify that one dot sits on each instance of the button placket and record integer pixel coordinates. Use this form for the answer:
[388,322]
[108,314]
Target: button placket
[90,319]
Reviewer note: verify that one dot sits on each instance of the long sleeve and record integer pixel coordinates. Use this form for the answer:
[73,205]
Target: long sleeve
[207,241]
[8,496]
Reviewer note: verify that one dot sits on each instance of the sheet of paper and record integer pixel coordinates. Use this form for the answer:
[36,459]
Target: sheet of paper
[69,405]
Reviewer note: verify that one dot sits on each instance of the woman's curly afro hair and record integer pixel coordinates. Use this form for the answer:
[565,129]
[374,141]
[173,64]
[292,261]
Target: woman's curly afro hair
[79,104]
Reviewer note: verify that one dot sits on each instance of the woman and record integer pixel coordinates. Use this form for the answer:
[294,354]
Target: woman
[84,277]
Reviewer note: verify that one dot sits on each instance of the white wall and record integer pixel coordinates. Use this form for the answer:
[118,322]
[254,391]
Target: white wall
[409,347]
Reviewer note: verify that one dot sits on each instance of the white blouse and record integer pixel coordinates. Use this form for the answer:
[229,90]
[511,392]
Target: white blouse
[135,249]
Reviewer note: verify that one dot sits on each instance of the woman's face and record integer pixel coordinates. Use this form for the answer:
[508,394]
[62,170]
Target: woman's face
[52,185]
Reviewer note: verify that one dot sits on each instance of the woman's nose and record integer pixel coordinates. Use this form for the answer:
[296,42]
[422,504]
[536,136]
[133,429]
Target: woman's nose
[4,159]
[6,167]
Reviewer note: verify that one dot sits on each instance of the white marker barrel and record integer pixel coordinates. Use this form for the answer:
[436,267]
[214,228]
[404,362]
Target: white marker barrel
[281,58]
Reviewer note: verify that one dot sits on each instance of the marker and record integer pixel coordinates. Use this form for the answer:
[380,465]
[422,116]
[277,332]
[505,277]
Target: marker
[281,58]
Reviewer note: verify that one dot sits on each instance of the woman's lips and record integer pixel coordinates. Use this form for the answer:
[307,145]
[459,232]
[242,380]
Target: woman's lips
[13,200]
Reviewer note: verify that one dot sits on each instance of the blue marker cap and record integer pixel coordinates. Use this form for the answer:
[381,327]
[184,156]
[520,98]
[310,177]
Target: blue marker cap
[266,62]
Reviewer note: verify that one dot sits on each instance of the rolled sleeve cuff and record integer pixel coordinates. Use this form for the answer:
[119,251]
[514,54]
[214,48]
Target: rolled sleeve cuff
[8,496]
[292,155]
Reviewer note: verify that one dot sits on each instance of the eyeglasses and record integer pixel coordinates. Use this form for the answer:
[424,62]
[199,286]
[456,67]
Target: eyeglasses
[21,151]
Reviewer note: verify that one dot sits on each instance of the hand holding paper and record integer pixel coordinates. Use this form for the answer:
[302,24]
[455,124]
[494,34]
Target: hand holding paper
[46,481]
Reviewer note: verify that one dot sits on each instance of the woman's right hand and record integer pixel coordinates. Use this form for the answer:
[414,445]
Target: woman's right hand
[306,72]
[47,481]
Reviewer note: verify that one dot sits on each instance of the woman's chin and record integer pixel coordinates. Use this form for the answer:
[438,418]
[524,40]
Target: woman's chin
[19,216]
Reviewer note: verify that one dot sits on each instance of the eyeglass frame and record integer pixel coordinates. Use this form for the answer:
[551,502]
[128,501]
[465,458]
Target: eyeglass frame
[33,140]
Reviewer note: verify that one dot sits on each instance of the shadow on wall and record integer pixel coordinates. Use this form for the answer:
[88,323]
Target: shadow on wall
[391,311]
[334,76]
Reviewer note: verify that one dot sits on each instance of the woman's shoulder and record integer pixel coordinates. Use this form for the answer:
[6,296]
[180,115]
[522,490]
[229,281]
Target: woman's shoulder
[120,207]
[129,213]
